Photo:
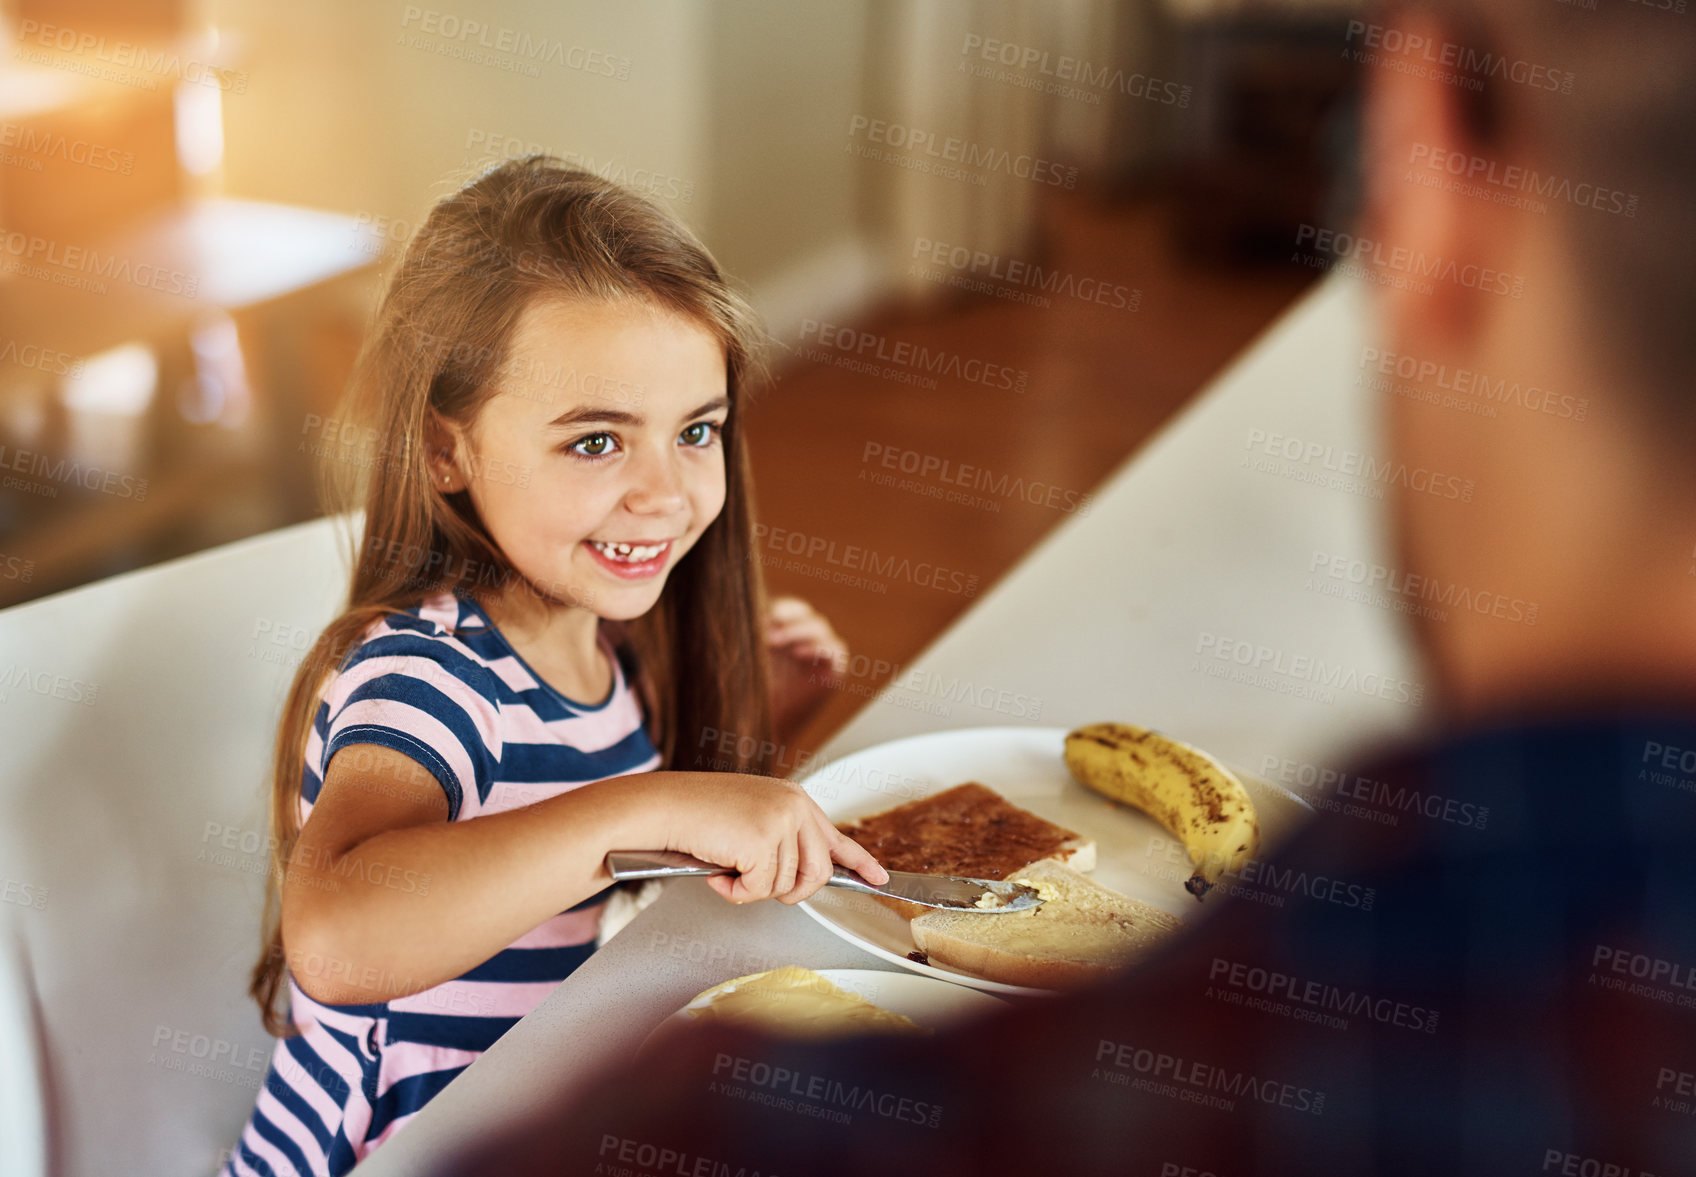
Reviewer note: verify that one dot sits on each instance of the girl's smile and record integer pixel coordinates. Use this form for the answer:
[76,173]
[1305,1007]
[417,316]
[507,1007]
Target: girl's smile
[631,561]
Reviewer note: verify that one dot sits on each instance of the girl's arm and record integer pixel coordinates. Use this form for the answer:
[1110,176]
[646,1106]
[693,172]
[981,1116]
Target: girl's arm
[383,896]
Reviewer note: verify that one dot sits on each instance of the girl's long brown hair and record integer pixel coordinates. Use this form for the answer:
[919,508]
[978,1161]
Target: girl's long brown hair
[528,228]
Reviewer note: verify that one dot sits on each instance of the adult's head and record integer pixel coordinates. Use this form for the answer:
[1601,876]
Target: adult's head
[1530,184]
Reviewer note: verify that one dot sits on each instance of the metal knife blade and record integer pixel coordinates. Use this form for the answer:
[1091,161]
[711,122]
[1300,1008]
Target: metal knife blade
[947,892]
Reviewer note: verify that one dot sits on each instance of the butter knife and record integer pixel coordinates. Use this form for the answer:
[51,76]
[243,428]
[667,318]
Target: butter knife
[948,892]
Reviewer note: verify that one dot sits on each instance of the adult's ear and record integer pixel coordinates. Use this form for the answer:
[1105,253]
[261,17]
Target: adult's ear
[1417,208]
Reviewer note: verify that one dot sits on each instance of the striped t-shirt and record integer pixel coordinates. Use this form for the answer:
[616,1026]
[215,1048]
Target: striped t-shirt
[440,684]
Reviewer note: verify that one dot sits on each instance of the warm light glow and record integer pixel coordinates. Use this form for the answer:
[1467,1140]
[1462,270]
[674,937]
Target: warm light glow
[25,92]
[220,390]
[200,127]
[120,381]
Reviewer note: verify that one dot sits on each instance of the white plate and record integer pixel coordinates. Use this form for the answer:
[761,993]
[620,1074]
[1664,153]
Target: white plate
[926,1000]
[1134,854]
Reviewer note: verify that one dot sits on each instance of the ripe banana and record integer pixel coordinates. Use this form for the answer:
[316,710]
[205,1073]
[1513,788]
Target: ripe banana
[1184,789]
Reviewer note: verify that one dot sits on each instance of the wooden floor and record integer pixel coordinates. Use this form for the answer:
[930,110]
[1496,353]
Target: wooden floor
[1100,382]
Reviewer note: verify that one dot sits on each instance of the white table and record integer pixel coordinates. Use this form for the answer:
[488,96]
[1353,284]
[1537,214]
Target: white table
[1188,547]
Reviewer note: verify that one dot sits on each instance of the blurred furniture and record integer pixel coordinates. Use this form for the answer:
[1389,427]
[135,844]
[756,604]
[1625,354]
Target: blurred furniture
[160,346]
[1268,144]
[260,271]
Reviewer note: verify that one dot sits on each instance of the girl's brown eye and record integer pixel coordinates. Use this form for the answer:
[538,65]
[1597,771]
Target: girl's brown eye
[594,445]
[700,433]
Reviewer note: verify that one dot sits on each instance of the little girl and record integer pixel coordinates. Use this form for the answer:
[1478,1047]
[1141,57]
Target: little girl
[553,614]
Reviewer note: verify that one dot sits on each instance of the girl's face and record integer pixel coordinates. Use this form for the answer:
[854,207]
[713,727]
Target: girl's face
[600,460]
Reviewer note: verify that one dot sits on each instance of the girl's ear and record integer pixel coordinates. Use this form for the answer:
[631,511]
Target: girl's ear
[443,446]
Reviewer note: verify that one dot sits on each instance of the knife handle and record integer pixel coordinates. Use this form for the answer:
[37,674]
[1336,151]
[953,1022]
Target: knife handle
[659,864]
[669,864]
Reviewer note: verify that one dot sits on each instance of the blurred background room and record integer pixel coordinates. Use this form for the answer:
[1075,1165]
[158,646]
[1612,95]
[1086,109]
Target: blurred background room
[996,245]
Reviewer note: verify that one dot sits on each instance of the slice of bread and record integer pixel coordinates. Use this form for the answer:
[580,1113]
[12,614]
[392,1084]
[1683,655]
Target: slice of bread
[1082,932]
[970,831]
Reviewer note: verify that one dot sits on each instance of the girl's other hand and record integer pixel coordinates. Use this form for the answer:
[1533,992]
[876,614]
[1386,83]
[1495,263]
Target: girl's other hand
[808,660]
[778,839]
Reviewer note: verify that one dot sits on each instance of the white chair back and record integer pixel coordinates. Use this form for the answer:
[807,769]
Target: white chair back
[137,717]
